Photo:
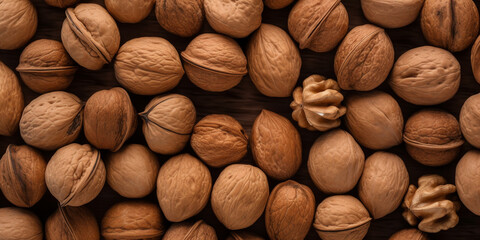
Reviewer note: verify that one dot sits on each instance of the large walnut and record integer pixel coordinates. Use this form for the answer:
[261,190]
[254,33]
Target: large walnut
[18,23]
[72,223]
[11,101]
[19,224]
[467,179]
[190,231]
[129,11]
[180,17]
[469,121]
[392,13]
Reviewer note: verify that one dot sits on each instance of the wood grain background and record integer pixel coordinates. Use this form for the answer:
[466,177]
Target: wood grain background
[244,103]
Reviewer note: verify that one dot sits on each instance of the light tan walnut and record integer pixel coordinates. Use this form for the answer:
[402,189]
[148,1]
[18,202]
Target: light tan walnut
[18,23]
[190,231]
[129,11]
[19,224]
[409,234]
[180,17]
[11,101]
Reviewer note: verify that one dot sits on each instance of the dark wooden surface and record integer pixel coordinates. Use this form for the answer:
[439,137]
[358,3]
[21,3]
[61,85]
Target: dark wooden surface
[244,103]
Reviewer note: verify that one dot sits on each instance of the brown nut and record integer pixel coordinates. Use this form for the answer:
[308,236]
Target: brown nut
[110,119]
[317,24]
[433,137]
[11,101]
[18,23]
[383,184]
[236,18]
[467,178]
[52,120]
[90,35]
[469,123]
[22,171]
[475,59]
[45,66]
[168,122]
[75,174]
[364,58]
[72,223]
[335,162]
[391,14]
[317,106]
[19,224]
[183,187]
[409,234]
[129,11]
[190,231]
[276,145]
[426,76]
[214,62]
[132,171]
[239,196]
[219,140]
[289,212]
[148,66]
[133,220]
[449,24]
[374,119]
[242,235]
[60,3]
[277,4]
[341,217]
[180,17]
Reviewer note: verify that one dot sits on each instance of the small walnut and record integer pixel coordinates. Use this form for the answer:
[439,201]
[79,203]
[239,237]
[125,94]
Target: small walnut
[11,100]
[180,17]
[392,13]
[129,11]
[469,121]
[277,4]
[19,224]
[18,23]
[429,205]
[72,223]
[189,230]
[467,179]
[317,106]
[61,3]
[409,234]
[242,235]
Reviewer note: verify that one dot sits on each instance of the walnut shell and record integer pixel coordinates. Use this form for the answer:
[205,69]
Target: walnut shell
[374,119]
[148,66]
[168,122]
[467,178]
[317,24]
[183,187]
[364,58]
[110,119]
[52,120]
[274,61]
[448,24]
[391,14]
[409,234]
[75,174]
[242,235]
[214,62]
[190,231]
[469,123]
[276,145]
[45,66]
[19,224]
[133,220]
[18,23]
[341,217]
[433,137]
[72,223]
[383,184]
[132,171]
[239,196]
[219,140]
[11,101]
[180,17]
[129,11]
[277,4]
[475,59]
[60,3]
[22,171]
[235,18]
[426,76]
[289,212]
[335,162]
[90,35]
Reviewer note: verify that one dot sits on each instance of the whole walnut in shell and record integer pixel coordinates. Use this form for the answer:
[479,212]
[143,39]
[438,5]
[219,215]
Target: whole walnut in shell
[374,119]
[235,18]
[110,119]
[52,120]
[11,101]
[364,58]
[168,122]
[180,17]
[60,3]
[317,106]
[289,212]
[467,178]
[183,187]
[148,66]
[90,35]
[341,217]
[18,23]
[318,25]
[22,171]
[129,11]
[214,62]
[469,123]
[239,196]
[19,224]
[391,13]
[132,171]
[409,234]
[75,174]
[242,235]
[335,162]
[276,145]
[452,25]
[189,230]
[46,66]
[274,61]
[219,140]
[133,220]
[426,76]
[277,4]
[72,223]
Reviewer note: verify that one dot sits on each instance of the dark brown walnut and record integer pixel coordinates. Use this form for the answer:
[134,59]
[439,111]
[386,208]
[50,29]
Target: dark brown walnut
[409,234]
[61,3]
[133,220]
[289,212]
[190,231]
[180,17]
[433,137]
[11,101]
[364,58]
[467,179]
[22,175]
[243,235]
[19,224]
[219,140]
[475,59]
[450,24]
[72,223]
[391,14]
[109,119]
[276,145]
[129,11]
[277,4]
[18,23]
[317,24]
[469,120]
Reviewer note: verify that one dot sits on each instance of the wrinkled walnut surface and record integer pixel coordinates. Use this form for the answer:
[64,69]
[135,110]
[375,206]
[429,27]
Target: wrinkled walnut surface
[18,223]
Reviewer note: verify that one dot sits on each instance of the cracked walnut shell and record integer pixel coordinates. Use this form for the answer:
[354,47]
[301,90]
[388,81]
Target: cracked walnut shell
[409,234]
[11,101]
[129,11]
[18,23]
[72,223]
[189,230]
[467,178]
[180,17]
[19,224]
[391,13]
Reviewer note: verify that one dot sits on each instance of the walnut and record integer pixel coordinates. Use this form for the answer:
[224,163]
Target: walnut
[61,3]
[409,234]
[429,205]
[11,101]
[72,223]
[189,230]
[391,14]
[129,11]
[277,4]
[469,122]
[475,59]
[19,224]
[18,23]
[242,235]
[180,17]
[467,178]
[317,106]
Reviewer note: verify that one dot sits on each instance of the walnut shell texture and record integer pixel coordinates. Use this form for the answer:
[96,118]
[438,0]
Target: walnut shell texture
[277,4]
[466,180]
[72,223]
[129,11]
[180,17]
[243,235]
[409,234]
[475,59]
[18,23]
[190,231]
[60,3]
[391,13]
[469,123]
[11,101]
[19,224]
